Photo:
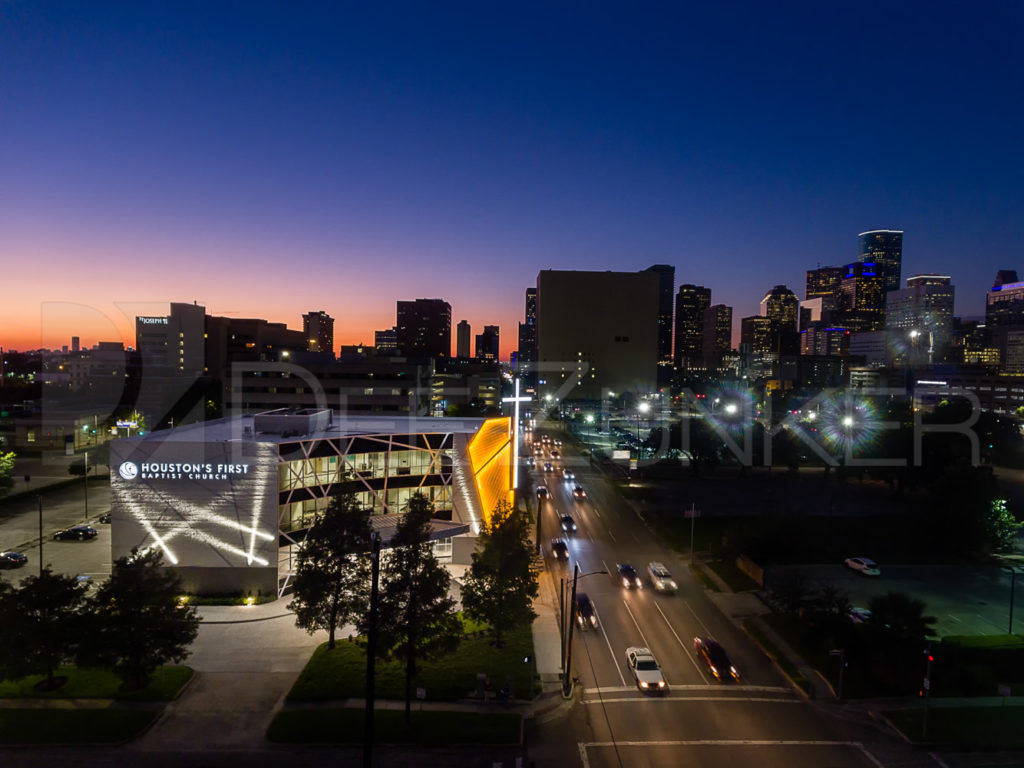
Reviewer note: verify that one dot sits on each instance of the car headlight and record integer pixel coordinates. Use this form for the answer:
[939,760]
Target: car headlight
[593,620]
[639,584]
[625,581]
[714,670]
[673,585]
[643,684]
[661,683]
[734,672]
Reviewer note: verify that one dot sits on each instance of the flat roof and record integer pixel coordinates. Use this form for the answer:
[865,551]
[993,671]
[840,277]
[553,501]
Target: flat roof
[343,425]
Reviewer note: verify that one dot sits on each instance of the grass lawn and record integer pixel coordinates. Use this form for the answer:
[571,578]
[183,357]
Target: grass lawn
[341,673]
[734,578]
[995,726]
[73,726]
[98,684]
[345,726]
[781,659]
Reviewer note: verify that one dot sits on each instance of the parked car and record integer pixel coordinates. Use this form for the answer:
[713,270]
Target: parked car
[646,670]
[559,549]
[716,658]
[568,524]
[542,492]
[586,616]
[661,578]
[578,493]
[863,565]
[12,559]
[76,533]
[630,578]
[859,615]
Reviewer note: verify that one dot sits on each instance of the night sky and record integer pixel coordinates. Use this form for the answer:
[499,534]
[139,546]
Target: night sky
[270,159]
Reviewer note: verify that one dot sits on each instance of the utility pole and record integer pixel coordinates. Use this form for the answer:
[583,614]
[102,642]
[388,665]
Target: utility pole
[567,676]
[693,513]
[371,650]
[841,653]
[39,499]
[87,486]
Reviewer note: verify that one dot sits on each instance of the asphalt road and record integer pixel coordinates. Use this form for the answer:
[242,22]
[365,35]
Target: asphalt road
[700,721]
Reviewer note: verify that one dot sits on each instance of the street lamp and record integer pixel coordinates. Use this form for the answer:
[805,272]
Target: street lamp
[590,421]
[642,408]
[567,676]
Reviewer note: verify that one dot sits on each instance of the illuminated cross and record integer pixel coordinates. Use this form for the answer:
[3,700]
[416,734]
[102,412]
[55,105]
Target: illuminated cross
[515,436]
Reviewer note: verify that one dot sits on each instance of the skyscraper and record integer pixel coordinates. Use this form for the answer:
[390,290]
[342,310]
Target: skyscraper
[487,347]
[386,340]
[717,334]
[920,317]
[527,357]
[424,328]
[823,282]
[596,331]
[691,301]
[463,333]
[1004,302]
[780,306]
[884,248]
[861,299]
[666,287]
[757,336]
[318,328]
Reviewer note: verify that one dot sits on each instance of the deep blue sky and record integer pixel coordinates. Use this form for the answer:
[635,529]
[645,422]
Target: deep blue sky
[269,159]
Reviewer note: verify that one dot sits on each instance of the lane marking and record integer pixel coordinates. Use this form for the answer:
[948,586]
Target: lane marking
[611,535]
[722,688]
[954,618]
[600,624]
[729,699]
[704,626]
[937,759]
[584,746]
[686,652]
[635,624]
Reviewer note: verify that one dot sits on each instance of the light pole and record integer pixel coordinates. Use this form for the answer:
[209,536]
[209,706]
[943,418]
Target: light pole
[841,653]
[642,408]
[87,486]
[371,651]
[567,675]
[589,419]
[1012,570]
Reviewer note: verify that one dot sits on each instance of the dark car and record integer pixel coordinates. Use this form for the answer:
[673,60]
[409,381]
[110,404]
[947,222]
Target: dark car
[542,492]
[12,559]
[578,493]
[568,524]
[76,533]
[104,518]
[559,549]
[716,658]
[586,616]
[630,578]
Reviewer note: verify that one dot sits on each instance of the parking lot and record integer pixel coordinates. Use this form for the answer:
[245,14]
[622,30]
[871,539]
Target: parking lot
[61,508]
[964,599]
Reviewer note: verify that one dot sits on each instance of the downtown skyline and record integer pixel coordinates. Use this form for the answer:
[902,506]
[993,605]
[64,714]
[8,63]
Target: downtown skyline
[266,162]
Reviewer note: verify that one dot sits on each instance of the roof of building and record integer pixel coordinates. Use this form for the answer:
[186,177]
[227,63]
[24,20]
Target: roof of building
[343,425]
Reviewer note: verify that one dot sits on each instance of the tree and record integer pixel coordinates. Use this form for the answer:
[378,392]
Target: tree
[900,617]
[417,616]
[6,472]
[502,582]
[1001,527]
[137,622]
[333,571]
[42,626]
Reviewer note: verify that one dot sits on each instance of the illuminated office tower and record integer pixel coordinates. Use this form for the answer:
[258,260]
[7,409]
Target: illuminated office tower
[318,328]
[424,328]
[884,249]
[691,301]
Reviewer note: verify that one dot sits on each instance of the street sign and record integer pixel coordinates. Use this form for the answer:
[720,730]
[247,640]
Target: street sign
[127,424]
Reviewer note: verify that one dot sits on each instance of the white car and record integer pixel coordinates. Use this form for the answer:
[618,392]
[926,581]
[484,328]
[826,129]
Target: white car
[568,474]
[863,565]
[661,578]
[645,669]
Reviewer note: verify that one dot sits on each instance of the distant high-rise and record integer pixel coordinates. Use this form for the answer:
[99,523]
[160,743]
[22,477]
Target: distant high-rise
[884,248]
[920,316]
[463,333]
[75,343]
[527,356]
[176,341]
[424,328]
[780,305]
[823,282]
[691,301]
[597,329]
[757,335]
[717,334]
[386,340]
[318,328]
[1004,302]
[666,288]
[861,299]
[487,347]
